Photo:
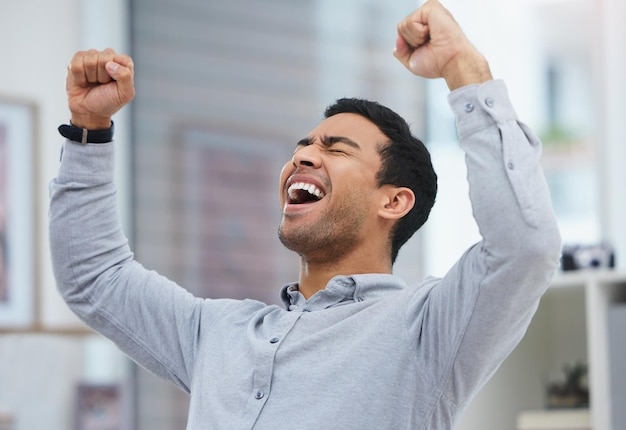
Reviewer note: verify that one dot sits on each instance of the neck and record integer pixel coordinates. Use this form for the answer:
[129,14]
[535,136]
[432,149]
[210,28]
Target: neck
[315,275]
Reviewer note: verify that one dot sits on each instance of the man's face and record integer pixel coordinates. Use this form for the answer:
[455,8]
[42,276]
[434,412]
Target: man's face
[328,189]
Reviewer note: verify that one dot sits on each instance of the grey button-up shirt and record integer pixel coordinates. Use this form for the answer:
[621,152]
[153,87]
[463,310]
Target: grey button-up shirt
[368,352]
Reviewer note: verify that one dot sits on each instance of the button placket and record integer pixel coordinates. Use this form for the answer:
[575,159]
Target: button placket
[265,346]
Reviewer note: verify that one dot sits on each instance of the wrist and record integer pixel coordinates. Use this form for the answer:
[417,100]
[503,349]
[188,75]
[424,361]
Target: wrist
[91,122]
[461,72]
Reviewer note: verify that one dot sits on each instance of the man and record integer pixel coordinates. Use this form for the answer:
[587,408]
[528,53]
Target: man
[355,348]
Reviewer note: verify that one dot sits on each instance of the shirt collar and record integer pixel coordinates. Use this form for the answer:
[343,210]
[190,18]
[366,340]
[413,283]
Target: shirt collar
[342,290]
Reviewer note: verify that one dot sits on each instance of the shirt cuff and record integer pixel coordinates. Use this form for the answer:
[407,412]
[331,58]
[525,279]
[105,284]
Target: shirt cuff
[90,163]
[479,106]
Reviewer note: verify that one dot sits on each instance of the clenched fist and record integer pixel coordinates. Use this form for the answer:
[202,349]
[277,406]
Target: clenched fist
[431,44]
[98,84]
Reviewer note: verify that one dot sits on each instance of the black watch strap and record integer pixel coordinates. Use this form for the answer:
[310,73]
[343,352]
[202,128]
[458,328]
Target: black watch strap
[82,135]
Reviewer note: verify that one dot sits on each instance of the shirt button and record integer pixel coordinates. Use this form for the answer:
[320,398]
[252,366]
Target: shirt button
[469,107]
[259,395]
[510,165]
[489,102]
[274,340]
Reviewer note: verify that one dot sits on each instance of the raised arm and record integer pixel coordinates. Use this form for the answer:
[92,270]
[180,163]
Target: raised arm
[483,305]
[147,316]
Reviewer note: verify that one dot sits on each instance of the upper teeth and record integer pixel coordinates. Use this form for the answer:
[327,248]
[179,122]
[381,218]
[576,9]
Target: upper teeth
[309,188]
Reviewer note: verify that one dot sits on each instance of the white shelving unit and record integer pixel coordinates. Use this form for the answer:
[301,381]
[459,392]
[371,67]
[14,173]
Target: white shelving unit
[571,325]
[600,289]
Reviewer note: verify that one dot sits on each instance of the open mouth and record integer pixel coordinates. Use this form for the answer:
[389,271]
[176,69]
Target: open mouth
[302,192]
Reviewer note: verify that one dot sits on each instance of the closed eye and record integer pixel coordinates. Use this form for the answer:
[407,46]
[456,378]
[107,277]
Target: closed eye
[330,142]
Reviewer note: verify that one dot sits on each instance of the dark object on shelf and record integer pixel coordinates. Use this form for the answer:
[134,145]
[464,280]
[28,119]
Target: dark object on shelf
[576,257]
[572,391]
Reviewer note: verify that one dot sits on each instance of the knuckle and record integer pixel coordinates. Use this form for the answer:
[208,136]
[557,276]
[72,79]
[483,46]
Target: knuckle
[90,60]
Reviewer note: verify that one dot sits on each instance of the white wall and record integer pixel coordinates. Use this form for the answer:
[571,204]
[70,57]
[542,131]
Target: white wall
[610,69]
[39,371]
[39,38]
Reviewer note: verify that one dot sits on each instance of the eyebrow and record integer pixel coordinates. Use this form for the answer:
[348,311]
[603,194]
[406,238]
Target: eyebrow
[330,141]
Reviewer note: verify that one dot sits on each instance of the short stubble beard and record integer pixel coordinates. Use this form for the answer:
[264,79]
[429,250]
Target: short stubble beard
[334,235]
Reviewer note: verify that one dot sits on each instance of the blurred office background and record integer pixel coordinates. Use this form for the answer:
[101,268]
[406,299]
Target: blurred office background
[224,90]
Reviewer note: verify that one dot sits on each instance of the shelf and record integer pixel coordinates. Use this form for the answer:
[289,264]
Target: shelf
[580,278]
[602,289]
[571,325]
[558,419]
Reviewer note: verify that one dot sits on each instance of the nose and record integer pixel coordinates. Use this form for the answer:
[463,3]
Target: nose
[308,156]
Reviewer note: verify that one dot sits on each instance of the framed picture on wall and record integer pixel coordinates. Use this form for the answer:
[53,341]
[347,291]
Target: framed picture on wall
[227,213]
[17,214]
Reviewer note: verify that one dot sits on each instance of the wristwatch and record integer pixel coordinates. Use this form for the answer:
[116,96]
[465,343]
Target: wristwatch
[82,135]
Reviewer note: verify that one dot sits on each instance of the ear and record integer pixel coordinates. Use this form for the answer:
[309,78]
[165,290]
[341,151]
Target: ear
[396,202]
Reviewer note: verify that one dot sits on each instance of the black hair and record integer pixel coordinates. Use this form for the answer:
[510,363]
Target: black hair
[405,162]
